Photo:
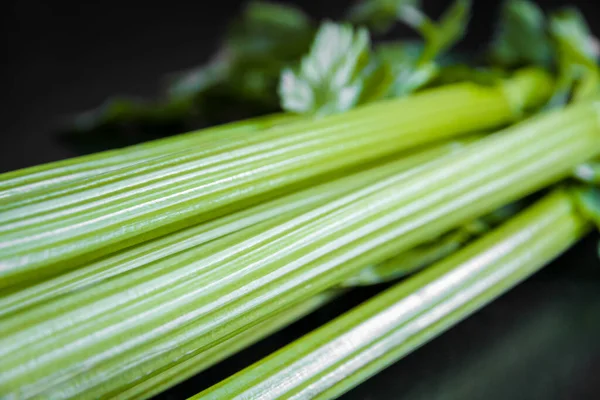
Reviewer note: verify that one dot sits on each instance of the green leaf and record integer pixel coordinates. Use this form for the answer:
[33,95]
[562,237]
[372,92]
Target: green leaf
[570,29]
[379,15]
[111,110]
[338,73]
[442,35]
[400,52]
[263,40]
[270,29]
[403,59]
[588,200]
[266,39]
[197,80]
[464,73]
[122,121]
[588,196]
[521,37]
[577,58]
[376,79]
[409,80]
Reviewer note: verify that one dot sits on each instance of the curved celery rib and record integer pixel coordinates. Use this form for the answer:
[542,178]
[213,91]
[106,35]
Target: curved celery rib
[347,351]
[267,214]
[121,332]
[60,230]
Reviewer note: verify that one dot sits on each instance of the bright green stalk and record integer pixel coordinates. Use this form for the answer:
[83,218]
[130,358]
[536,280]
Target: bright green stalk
[154,198]
[357,345]
[119,333]
[154,261]
[221,351]
[78,169]
[267,214]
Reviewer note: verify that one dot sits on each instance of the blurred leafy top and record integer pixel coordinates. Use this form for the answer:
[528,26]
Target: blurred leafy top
[416,66]
[380,15]
[257,46]
[340,72]
[442,35]
[337,74]
[576,53]
[274,57]
[521,37]
[561,41]
[239,81]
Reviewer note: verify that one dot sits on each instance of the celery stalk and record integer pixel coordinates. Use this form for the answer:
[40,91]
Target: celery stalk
[268,215]
[523,92]
[156,317]
[347,351]
[221,351]
[156,197]
[78,169]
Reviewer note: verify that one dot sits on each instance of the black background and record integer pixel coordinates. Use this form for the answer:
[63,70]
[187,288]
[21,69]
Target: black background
[540,341]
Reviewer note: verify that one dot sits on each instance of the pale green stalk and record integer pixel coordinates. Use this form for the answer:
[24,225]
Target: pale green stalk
[152,198]
[347,351]
[169,311]
[267,215]
[78,169]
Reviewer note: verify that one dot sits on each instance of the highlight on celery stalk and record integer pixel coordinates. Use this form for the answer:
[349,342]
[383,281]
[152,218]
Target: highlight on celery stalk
[348,350]
[359,161]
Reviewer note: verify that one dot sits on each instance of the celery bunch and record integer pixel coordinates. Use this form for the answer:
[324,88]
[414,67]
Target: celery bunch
[125,272]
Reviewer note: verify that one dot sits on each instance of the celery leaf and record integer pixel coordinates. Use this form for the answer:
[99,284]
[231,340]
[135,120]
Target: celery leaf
[521,37]
[442,35]
[577,57]
[338,73]
[379,15]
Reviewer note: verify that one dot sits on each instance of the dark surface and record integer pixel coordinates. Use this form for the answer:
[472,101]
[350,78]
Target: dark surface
[540,341]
